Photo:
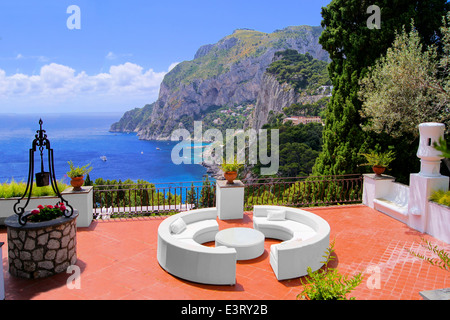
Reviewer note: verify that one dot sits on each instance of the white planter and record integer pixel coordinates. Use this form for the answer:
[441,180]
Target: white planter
[79,200]
[7,205]
[438,222]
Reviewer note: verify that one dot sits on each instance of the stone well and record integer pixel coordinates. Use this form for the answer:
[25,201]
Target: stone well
[41,249]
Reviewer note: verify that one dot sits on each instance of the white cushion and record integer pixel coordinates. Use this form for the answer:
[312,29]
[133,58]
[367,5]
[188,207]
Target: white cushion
[276,215]
[178,226]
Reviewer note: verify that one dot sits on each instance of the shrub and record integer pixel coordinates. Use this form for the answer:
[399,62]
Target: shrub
[17,189]
[328,283]
[441,197]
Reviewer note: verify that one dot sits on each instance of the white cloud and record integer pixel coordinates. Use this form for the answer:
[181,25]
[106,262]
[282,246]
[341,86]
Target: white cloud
[56,85]
[173,65]
[111,56]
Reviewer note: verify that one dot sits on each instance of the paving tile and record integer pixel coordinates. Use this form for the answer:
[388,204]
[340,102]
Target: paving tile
[117,260]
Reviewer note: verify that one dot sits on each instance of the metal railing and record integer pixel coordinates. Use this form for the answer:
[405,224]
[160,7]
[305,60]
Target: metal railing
[152,199]
[304,191]
[159,199]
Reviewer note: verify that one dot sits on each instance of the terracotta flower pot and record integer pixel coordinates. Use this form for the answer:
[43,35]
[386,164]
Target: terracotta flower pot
[76,183]
[378,170]
[230,176]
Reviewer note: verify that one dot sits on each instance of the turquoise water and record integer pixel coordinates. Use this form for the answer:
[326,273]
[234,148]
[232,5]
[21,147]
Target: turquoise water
[84,138]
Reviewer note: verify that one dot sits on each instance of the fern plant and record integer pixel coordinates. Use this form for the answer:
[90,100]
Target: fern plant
[443,147]
[382,159]
[441,258]
[328,283]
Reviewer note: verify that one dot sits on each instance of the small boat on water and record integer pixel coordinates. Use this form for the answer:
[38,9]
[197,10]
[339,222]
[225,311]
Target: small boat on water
[158,149]
[103,158]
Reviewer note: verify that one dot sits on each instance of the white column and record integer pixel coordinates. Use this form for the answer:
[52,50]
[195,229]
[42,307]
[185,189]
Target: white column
[83,202]
[375,187]
[2,282]
[420,189]
[230,200]
[429,179]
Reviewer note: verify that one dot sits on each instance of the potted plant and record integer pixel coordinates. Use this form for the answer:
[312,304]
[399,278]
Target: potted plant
[379,161]
[77,175]
[230,170]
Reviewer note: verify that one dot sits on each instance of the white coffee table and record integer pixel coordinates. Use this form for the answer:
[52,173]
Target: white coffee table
[248,242]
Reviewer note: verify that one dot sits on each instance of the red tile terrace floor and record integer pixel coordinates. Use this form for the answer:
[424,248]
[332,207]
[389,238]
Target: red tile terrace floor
[118,261]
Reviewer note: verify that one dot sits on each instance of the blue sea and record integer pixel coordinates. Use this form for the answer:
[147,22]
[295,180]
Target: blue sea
[84,138]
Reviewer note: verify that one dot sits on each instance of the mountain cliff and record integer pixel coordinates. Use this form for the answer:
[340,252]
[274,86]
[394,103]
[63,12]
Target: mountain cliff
[228,74]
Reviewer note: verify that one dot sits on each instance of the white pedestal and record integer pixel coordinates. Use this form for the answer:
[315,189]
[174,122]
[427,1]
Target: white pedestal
[230,200]
[375,187]
[420,189]
[2,282]
[83,202]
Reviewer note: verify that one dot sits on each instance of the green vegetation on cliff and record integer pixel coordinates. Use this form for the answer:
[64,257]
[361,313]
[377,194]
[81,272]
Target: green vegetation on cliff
[301,71]
[243,43]
[132,119]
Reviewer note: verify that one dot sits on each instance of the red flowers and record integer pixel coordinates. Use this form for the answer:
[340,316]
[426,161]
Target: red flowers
[48,212]
[60,206]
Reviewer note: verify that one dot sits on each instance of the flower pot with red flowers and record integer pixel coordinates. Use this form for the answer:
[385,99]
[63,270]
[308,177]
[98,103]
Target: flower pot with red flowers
[46,213]
[45,245]
[77,175]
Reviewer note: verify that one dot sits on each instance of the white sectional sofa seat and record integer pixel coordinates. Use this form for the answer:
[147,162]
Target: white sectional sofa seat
[305,237]
[393,201]
[181,253]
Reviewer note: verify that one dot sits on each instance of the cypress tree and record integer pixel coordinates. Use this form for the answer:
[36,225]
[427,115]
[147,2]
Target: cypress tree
[354,47]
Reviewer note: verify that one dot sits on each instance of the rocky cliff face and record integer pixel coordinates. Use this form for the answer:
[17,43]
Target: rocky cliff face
[274,96]
[227,73]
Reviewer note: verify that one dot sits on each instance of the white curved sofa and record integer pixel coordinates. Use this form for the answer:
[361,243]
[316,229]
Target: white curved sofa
[305,237]
[181,254]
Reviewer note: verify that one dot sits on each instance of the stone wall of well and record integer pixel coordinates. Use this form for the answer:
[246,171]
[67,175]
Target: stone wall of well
[37,252]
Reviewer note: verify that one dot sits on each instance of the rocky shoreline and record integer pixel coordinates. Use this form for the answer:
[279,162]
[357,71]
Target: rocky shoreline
[213,170]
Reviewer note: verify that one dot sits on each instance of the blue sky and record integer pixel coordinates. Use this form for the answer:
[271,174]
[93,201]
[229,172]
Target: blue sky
[123,49]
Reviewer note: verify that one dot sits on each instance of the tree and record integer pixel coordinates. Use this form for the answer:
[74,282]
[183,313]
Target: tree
[207,194]
[408,86]
[191,197]
[353,48]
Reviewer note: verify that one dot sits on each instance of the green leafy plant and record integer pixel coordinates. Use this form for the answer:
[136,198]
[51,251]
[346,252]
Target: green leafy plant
[441,197]
[441,259]
[46,213]
[17,189]
[381,159]
[228,167]
[327,283]
[443,147]
[78,171]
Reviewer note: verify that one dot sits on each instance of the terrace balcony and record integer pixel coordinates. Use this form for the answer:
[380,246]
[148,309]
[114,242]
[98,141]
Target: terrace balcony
[117,252]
